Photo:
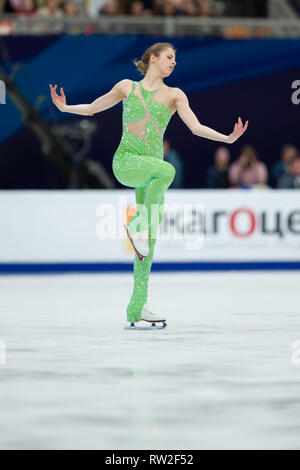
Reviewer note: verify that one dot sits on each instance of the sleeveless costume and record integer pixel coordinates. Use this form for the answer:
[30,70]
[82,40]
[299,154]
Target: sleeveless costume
[138,163]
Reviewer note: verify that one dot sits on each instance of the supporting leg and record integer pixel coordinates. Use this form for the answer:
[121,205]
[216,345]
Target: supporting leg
[142,271]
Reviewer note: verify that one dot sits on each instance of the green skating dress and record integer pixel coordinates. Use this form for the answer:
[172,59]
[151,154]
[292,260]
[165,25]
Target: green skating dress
[138,163]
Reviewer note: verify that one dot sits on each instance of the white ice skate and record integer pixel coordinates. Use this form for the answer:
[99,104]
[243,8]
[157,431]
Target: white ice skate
[149,317]
[140,242]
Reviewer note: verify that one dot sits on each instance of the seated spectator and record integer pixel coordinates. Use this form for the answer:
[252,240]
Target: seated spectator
[168,7]
[111,7]
[157,7]
[204,8]
[27,7]
[51,9]
[290,179]
[71,9]
[189,8]
[288,153]
[172,156]
[248,171]
[217,176]
[93,7]
[137,8]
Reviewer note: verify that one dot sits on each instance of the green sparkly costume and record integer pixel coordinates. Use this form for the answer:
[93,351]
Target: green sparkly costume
[138,163]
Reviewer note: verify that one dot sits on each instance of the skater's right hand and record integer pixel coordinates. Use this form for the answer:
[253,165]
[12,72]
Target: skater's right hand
[58,100]
[238,130]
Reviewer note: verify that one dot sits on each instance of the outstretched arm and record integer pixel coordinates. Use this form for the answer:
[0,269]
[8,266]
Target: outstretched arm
[190,119]
[106,101]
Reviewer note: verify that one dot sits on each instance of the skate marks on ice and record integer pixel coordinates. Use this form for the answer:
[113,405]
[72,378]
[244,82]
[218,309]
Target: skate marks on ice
[219,376]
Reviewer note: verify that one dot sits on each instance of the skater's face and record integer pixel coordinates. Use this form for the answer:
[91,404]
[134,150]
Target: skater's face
[165,61]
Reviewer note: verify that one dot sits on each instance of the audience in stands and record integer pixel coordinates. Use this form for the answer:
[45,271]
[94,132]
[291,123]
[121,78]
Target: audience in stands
[172,156]
[281,167]
[93,8]
[27,7]
[51,9]
[110,7]
[137,8]
[70,8]
[248,171]
[290,179]
[217,176]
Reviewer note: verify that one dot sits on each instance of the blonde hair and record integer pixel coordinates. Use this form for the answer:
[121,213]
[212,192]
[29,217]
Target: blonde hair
[155,49]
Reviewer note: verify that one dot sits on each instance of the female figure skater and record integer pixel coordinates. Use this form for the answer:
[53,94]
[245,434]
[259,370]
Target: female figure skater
[148,106]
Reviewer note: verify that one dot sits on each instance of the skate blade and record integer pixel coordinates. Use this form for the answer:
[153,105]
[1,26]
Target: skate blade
[140,257]
[154,326]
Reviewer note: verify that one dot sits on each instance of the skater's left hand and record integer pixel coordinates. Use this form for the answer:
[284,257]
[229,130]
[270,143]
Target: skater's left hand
[238,130]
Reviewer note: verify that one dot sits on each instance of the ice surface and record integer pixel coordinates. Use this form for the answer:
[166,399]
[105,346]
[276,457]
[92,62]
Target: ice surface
[220,376]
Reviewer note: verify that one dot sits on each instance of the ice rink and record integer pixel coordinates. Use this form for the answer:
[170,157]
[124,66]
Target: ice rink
[222,375]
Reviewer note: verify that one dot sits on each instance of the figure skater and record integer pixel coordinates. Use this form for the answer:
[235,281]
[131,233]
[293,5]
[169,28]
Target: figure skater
[148,106]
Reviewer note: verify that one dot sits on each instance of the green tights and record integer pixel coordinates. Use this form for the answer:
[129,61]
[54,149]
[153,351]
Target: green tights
[150,177]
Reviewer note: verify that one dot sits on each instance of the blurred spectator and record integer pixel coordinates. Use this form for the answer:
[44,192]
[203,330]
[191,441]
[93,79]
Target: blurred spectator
[172,156]
[157,6]
[183,7]
[188,8]
[93,7]
[248,171]
[137,8]
[27,7]
[125,7]
[71,9]
[51,9]
[290,179]
[288,153]
[111,7]
[166,7]
[204,8]
[217,176]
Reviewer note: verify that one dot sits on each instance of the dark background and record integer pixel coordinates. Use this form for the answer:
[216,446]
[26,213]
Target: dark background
[222,78]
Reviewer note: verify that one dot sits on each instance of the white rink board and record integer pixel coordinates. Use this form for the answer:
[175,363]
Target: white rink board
[64,226]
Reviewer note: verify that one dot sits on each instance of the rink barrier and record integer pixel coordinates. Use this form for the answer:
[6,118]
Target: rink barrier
[39,268]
